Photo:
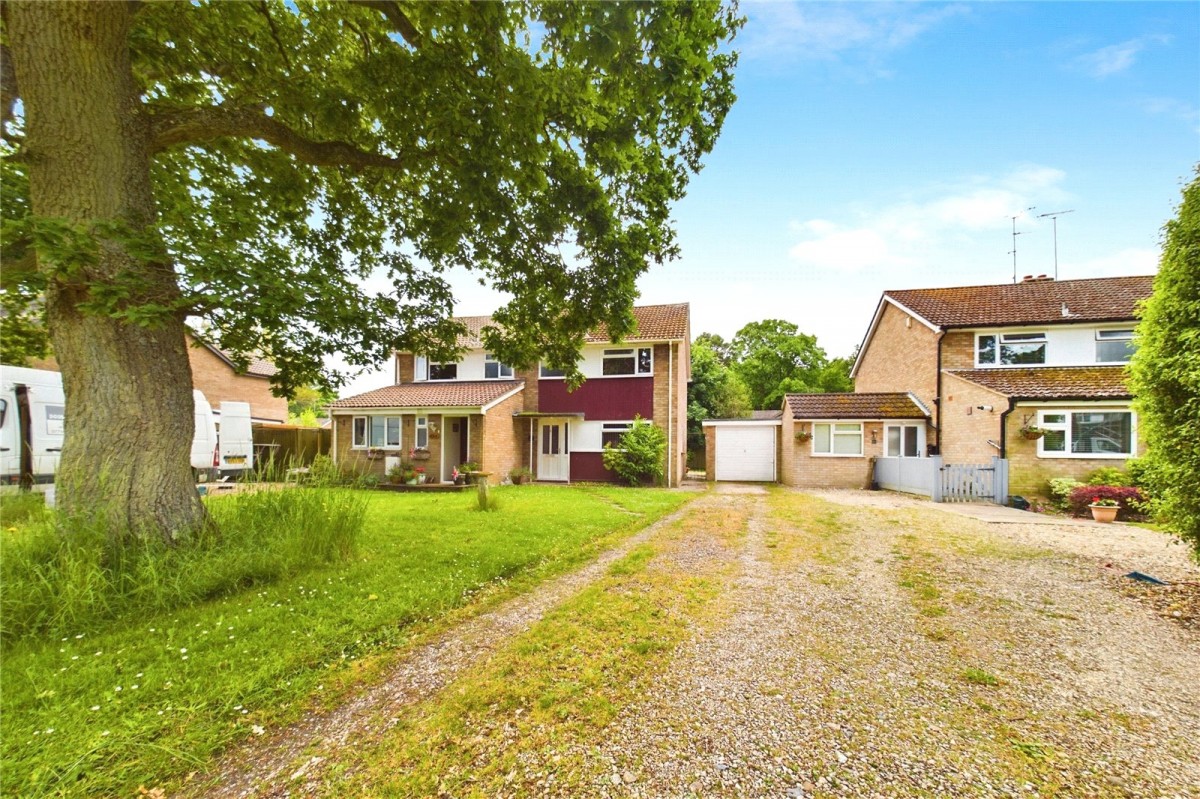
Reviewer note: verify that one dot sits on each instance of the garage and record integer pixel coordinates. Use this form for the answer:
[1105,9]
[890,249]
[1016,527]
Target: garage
[743,451]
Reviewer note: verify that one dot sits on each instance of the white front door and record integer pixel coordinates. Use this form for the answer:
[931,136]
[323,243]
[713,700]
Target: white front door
[554,452]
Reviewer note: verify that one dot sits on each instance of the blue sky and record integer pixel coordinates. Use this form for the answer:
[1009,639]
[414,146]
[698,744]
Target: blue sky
[881,146]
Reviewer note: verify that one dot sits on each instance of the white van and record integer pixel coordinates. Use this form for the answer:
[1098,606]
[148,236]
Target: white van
[236,439]
[32,420]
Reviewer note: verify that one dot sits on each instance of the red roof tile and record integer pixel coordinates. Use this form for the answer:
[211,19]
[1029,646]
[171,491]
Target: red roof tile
[1031,302]
[654,323]
[854,406]
[1052,382]
[451,394]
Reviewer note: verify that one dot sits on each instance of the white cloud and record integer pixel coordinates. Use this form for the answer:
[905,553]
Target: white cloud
[1116,58]
[905,233]
[1170,107]
[828,31]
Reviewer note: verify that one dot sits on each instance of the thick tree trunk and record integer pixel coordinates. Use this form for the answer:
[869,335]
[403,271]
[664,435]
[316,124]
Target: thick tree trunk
[129,414]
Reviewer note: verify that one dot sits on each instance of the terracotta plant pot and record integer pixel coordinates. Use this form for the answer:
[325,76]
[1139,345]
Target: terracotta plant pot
[1105,514]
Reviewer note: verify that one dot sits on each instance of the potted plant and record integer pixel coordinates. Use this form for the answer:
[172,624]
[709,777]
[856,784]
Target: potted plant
[374,454]
[1104,509]
[520,476]
[419,454]
[1031,432]
[467,468]
[458,477]
[420,471]
[803,435]
[410,475]
[395,475]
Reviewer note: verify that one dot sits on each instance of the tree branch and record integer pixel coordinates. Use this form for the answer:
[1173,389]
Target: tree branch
[197,125]
[396,16]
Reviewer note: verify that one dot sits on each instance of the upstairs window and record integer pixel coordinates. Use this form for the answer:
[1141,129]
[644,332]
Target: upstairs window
[1010,349]
[1114,346]
[546,371]
[617,363]
[494,370]
[443,371]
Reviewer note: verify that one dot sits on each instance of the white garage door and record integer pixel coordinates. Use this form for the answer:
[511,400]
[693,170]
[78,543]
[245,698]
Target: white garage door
[746,453]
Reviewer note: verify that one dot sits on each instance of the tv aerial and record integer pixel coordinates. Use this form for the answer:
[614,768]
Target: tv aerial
[1054,215]
[1015,233]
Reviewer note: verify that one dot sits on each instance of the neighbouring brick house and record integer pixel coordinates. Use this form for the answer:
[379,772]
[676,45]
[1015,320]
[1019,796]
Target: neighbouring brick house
[481,410]
[959,372]
[991,360]
[214,374]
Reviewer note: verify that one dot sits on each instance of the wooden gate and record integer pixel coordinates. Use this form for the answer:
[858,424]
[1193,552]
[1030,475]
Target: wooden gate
[973,483]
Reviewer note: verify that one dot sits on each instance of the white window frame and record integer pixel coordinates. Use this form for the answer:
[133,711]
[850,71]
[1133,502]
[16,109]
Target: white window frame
[1126,337]
[916,428]
[621,428]
[420,368]
[422,432]
[432,379]
[1025,337]
[546,373]
[503,370]
[1066,425]
[833,431]
[364,441]
[632,353]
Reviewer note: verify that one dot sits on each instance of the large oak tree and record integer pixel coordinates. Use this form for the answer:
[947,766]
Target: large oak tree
[250,164]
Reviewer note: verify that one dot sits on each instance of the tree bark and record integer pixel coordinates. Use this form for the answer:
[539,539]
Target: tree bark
[129,409]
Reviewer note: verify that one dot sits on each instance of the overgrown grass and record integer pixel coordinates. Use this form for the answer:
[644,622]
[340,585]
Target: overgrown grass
[63,575]
[145,699]
[17,507]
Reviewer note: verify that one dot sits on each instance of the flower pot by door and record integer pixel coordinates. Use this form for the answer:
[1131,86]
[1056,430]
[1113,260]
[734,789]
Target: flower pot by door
[1104,513]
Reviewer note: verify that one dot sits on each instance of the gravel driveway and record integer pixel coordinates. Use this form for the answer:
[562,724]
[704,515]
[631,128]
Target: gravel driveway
[868,645]
[903,651]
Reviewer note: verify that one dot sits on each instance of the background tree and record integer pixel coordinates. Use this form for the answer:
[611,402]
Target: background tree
[716,392]
[717,345]
[1165,374]
[308,405]
[773,358]
[252,164]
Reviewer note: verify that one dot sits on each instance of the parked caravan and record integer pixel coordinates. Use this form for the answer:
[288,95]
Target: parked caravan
[32,418]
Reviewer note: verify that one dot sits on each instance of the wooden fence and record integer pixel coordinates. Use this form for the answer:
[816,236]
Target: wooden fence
[290,445]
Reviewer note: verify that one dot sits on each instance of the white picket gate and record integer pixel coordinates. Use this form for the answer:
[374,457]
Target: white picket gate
[985,482]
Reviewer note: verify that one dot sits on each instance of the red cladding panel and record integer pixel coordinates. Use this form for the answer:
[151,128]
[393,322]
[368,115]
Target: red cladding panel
[589,467]
[603,398]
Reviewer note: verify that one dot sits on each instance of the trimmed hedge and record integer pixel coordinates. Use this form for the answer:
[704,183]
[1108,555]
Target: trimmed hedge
[1131,499]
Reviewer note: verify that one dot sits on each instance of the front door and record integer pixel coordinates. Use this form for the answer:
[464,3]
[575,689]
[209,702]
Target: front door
[554,452]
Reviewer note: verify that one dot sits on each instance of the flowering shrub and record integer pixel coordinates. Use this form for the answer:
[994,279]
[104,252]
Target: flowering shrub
[1128,498]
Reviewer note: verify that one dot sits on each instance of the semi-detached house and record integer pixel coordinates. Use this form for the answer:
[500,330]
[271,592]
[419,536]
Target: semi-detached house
[961,372]
[479,409]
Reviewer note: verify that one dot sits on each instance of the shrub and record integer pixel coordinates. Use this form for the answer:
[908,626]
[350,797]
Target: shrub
[1109,476]
[639,456]
[1060,490]
[1129,498]
[64,574]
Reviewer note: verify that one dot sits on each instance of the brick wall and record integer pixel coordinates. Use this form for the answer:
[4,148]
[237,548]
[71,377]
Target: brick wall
[801,469]
[499,442]
[710,454]
[676,394]
[966,429]
[901,356]
[958,350]
[404,367]
[530,376]
[1029,475]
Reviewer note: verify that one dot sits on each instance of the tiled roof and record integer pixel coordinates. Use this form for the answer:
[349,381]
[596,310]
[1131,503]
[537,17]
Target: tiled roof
[1052,382]
[451,394]
[654,323]
[257,367]
[766,416]
[1032,302]
[854,406]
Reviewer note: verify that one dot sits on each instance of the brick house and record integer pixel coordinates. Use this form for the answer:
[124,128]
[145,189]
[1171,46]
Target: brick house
[990,360]
[959,372]
[481,410]
[214,374]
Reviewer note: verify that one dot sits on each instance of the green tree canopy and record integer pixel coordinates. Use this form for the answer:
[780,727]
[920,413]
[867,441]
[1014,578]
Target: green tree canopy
[1165,374]
[254,164]
[773,358]
[715,392]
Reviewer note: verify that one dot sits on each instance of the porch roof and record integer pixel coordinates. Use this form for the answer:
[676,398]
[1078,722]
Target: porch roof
[451,394]
[1052,382]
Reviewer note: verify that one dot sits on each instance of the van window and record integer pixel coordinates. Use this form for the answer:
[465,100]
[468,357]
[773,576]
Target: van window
[3,411]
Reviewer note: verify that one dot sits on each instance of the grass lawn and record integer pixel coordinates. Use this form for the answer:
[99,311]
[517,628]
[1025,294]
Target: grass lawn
[146,700]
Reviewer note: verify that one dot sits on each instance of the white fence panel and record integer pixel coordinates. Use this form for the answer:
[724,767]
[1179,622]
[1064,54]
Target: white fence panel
[910,475]
[930,477]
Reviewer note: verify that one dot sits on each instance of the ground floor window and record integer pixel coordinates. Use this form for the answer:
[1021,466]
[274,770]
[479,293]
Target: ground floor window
[831,438]
[375,432]
[1107,433]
